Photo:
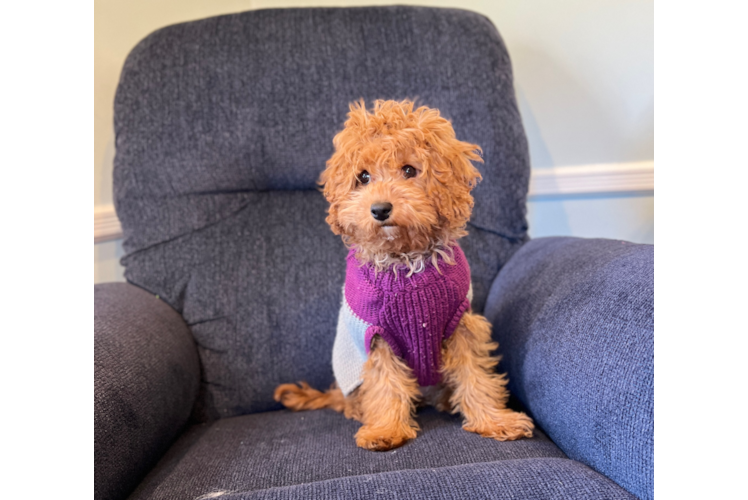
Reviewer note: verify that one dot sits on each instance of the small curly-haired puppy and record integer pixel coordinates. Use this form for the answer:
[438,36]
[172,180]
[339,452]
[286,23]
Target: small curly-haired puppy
[399,187]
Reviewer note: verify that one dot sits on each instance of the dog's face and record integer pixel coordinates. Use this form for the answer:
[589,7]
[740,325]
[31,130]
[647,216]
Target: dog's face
[399,181]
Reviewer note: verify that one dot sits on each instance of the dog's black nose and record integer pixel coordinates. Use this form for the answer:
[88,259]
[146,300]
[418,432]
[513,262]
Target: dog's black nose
[381,211]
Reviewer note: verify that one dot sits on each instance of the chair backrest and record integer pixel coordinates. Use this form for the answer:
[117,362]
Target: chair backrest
[222,128]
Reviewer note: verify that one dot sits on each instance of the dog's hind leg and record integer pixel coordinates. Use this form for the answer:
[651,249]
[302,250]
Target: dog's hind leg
[302,397]
[386,400]
[478,392]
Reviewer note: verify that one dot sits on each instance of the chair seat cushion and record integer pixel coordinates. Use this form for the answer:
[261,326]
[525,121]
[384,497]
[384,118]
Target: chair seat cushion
[282,454]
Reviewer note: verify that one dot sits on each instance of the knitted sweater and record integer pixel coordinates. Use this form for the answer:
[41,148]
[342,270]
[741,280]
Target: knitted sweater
[412,314]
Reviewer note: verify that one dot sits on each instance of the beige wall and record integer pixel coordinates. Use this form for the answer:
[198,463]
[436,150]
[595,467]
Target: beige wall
[584,74]
[106,262]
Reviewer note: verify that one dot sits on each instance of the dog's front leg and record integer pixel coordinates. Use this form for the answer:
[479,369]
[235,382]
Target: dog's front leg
[478,392]
[387,400]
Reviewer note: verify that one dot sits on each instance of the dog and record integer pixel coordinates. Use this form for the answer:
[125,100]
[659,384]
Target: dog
[398,187]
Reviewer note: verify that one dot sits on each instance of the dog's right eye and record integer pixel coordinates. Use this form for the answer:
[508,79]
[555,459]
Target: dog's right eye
[364,178]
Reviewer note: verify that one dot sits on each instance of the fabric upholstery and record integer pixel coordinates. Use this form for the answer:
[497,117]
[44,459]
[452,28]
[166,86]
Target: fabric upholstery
[222,128]
[313,455]
[508,480]
[146,377]
[575,323]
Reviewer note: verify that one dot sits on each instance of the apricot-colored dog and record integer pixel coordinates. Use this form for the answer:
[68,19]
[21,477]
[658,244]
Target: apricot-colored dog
[399,187]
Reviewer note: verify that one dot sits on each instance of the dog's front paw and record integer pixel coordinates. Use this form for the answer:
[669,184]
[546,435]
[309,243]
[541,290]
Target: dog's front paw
[504,425]
[373,438]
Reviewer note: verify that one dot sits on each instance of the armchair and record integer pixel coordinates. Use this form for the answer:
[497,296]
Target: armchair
[222,127]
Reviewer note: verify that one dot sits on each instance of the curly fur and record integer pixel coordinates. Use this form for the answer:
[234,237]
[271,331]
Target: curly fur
[430,210]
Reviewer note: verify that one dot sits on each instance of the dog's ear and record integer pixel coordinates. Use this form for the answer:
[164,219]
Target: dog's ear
[450,169]
[339,177]
[462,166]
[456,177]
[336,181]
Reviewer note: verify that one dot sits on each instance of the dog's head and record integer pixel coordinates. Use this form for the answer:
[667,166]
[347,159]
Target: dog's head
[399,181]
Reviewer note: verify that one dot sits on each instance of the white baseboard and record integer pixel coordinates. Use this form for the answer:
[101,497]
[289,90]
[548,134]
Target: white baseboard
[593,179]
[560,181]
[106,224]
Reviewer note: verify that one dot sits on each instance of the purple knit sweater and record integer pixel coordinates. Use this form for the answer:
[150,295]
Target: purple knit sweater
[412,314]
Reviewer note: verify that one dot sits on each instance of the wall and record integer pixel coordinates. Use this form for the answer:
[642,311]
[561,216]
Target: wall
[584,74]
[106,262]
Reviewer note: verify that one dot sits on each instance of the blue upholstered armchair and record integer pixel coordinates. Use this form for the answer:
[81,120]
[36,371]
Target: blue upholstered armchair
[234,279]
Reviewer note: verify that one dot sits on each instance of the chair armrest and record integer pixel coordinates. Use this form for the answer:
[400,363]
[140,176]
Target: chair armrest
[575,322]
[146,378]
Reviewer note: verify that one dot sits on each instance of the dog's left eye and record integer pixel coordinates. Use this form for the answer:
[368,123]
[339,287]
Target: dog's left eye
[409,171]
[364,178]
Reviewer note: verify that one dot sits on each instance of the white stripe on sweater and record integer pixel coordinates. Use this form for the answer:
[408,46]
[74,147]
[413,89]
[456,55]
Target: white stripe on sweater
[349,351]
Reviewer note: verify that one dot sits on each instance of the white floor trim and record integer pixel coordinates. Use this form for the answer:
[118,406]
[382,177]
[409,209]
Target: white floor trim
[592,179]
[106,224]
[559,181]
